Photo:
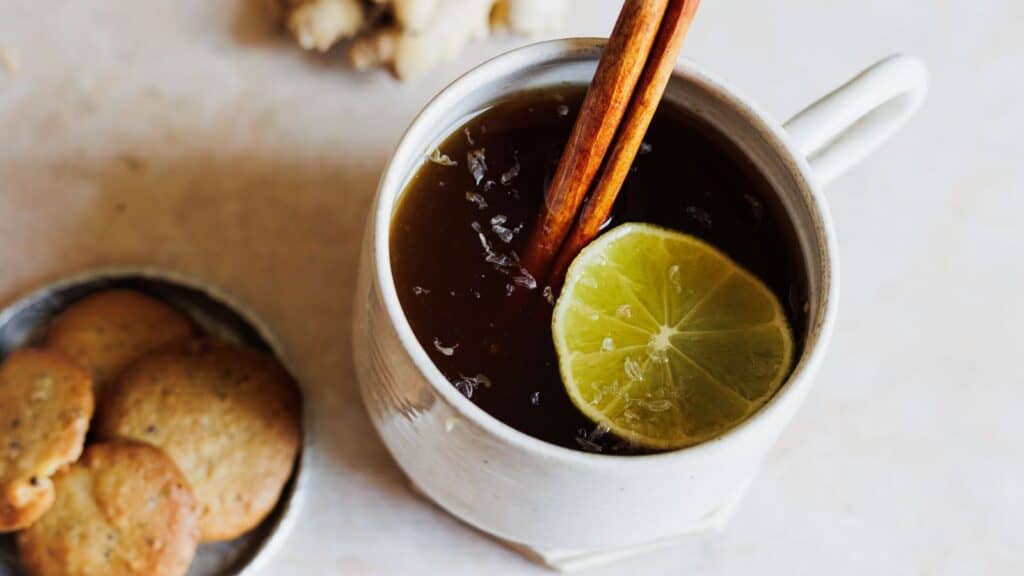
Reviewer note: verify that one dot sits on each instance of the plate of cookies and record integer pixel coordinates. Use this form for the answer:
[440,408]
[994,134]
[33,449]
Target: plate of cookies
[148,425]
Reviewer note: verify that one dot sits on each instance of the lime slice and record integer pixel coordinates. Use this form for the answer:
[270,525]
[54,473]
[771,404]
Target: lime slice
[664,340]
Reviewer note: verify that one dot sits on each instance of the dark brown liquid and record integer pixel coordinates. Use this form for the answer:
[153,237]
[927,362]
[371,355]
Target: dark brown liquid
[455,286]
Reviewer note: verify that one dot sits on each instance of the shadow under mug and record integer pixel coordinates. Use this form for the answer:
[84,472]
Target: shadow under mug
[543,496]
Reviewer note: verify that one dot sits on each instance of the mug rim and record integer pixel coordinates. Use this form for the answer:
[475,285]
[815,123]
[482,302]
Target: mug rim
[551,52]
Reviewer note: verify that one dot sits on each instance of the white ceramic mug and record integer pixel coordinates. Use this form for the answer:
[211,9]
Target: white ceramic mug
[527,491]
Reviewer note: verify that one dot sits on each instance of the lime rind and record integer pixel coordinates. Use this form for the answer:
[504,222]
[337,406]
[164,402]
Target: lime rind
[665,340]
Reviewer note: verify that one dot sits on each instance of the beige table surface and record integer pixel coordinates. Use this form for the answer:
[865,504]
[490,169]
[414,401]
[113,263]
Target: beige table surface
[191,135]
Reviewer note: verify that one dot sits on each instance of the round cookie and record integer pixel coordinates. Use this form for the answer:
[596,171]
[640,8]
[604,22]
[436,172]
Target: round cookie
[46,401]
[125,508]
[228,416]
[107,331]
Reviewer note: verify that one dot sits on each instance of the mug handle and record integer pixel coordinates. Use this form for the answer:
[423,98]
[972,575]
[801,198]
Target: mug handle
[843,127]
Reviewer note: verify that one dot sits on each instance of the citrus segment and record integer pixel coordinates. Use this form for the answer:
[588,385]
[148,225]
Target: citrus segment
[666,341]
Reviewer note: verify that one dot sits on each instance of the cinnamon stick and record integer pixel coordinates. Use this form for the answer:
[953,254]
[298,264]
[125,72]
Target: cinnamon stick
[610,92]
[638,117]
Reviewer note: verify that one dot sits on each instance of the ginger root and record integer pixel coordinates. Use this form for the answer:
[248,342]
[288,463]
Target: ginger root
[411,36]
[319,24]
[528,17]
